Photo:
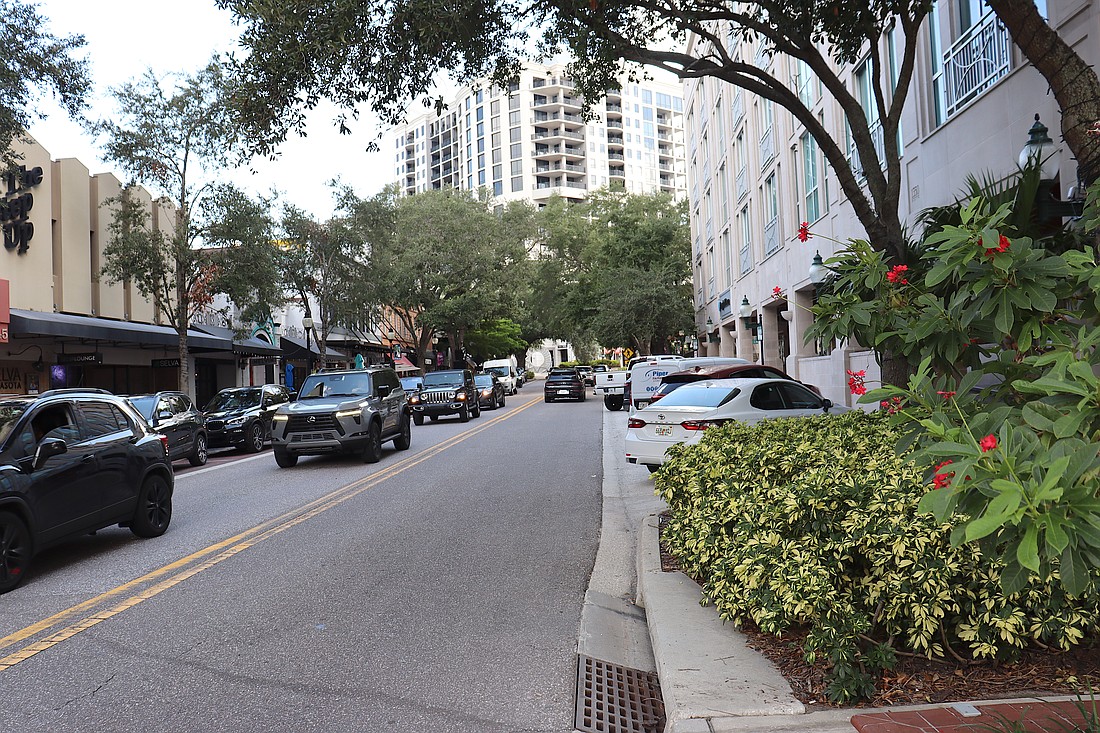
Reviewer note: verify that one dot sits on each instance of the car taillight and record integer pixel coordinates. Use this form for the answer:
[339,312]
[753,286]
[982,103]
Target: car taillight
[635,422]
[697,424]
[164,442]
[655,397]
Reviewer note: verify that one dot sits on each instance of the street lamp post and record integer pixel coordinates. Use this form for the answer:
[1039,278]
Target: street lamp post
[819,273]
[307,324]
[1049,208]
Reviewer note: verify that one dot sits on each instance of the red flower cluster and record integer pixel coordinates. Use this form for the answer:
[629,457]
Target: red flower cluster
[941,480]
[892,406]
[946,395]
[855,382]
[896,274]
[1002,246]
[988,443]
[804,231]
[777,292]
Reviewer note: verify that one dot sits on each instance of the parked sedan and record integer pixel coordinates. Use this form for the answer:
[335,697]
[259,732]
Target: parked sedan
[563,383]
[174,415]
[672,382]
[490,391]
[684,415]
[241,416]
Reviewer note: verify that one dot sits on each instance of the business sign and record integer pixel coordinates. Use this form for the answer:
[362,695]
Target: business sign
[90,358]
[16,205]
[5,310]
[166,363]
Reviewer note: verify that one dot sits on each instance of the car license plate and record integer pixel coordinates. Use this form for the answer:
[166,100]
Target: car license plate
[563,391]
[663,430]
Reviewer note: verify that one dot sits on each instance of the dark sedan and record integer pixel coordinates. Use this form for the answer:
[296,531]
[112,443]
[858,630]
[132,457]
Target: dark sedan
[490,391]
[563,383]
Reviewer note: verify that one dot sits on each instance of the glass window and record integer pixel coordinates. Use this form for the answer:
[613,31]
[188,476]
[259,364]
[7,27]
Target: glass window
[516,151]
[498,188]
[765,397]
[517,167]
[811,177]
[494,107]
[101,418]
[517,183]
[798,397]
[647,96]
[498,172]
[514,135]
[496,139]
[513,118]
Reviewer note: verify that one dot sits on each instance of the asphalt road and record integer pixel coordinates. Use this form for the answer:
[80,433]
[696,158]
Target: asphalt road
[439,590]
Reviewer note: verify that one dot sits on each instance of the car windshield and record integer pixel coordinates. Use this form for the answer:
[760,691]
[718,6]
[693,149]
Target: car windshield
[237,399]
[335,385]
[443,379]
[144,405]
[10,412]
[484,380]
[499,371]
[698,395]
[411,382]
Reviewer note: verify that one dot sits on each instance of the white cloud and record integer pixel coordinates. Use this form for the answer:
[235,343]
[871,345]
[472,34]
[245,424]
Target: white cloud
[125,37]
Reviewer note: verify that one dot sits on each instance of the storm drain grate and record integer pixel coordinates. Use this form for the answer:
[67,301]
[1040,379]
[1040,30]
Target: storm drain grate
[616,699]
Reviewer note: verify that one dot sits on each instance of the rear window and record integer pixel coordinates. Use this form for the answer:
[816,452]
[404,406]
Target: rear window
[697,395]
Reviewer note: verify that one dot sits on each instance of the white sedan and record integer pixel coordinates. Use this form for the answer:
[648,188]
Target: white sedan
[682,416]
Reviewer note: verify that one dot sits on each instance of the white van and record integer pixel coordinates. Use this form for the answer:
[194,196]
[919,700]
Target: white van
[645,376]
[505,369]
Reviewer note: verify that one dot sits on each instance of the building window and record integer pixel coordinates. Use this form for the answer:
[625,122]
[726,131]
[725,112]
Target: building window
[516,151]
[517,183]
[498,188]
[746,241]
[811,177]
[770,216]
[514,135]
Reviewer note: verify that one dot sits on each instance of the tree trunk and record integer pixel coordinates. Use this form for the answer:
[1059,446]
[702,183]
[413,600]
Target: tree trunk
[895,369]
[1072,81]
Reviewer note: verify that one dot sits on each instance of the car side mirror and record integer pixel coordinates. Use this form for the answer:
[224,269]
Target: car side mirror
[164,414]
[826,404]
[47,449]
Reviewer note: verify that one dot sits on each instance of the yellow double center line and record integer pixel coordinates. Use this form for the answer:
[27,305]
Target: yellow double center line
[68,623]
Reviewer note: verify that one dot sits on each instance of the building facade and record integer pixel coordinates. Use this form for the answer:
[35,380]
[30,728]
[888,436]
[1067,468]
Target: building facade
[754,174]
[530,141]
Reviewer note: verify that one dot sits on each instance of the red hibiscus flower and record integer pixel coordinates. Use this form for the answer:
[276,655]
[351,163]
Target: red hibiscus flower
[896,274]
[988,443]
[804,231]
[940,480]
[855,383]
[1002,246]
[777,291]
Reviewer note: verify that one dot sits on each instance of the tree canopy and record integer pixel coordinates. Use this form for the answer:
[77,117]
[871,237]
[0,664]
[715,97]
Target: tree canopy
[36,64]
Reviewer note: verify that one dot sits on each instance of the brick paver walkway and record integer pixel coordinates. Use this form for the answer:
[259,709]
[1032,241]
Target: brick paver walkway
[1037,716]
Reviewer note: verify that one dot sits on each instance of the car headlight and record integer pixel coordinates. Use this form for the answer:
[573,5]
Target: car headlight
[486,392]
[234,422]
[349,413]
[414,400]
[280,418]
[460,396]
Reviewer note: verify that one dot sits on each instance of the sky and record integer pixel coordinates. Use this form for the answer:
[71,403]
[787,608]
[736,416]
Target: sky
[126,37]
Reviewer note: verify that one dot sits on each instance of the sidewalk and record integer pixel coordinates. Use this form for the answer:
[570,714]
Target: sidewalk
[711,681]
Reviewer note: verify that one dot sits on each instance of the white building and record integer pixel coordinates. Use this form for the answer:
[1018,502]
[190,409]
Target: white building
[530,141]
[754,175]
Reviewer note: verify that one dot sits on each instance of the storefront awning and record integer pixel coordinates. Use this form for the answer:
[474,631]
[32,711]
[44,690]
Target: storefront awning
[245,345]
[402,365]
[353,336]
[88,328]
[293,349]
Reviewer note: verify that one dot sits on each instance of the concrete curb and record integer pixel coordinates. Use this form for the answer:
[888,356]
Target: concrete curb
[708,673]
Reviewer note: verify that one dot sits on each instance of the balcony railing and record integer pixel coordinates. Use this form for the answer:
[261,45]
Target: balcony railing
[975,61]
[879,140]
[746,260]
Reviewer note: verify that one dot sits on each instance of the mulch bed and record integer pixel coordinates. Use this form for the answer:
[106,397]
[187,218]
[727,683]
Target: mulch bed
[917,681]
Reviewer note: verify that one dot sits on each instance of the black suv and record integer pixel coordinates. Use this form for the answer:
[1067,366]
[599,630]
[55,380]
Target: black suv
[342,411]
[73,461]
[447,392]
[174,415]
[241,416]
[563,382]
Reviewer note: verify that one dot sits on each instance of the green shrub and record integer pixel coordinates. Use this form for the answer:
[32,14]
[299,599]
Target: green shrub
[812,523]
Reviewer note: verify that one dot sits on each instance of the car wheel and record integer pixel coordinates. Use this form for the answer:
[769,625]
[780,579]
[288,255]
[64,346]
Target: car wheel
[477,410]
[464,416]
[285,459]
[418,419]
[584,396]
[404,440]
[15,551]
[255,441]
[154,508]
[435,417]
[613,402]
[372,453]
[199,454]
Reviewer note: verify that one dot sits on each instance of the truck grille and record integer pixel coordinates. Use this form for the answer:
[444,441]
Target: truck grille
[436,398]
[311,423]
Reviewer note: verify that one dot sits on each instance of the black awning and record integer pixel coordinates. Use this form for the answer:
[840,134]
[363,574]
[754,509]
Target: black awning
[246,345]
[293,349]
[65,325]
